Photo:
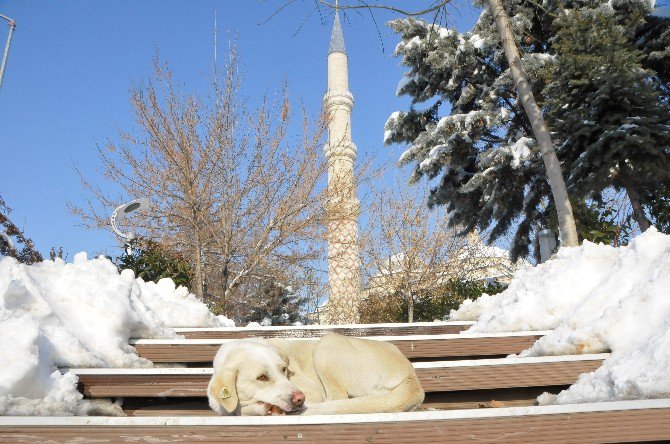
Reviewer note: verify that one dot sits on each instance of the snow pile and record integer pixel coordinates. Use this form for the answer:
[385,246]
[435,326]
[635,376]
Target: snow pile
[596,298]
[78,314]
[176,307]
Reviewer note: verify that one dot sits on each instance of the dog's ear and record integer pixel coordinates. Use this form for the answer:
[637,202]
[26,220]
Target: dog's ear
[289,366]
[222,390]
[287,363]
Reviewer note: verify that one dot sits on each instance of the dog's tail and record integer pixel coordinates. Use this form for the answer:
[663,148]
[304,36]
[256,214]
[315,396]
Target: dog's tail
[405,397]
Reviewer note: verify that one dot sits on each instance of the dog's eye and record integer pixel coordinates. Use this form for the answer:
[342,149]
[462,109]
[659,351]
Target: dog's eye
[283,369]
[262,377]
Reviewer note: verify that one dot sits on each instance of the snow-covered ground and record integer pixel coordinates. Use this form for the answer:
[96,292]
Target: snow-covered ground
[79,314]
[595,298]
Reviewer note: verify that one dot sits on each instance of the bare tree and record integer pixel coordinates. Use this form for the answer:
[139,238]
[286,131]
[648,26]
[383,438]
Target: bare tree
[229,188]
[540,129]
[406,247]
[270,214]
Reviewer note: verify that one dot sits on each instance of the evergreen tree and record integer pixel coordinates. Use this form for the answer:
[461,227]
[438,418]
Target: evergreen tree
[276,303]
[658,203]
[12,240]
[652,38]
[605,222]
[471,130]
[609,111]
[151,262]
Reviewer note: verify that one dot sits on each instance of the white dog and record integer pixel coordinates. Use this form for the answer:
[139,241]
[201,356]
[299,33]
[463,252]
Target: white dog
[330,375]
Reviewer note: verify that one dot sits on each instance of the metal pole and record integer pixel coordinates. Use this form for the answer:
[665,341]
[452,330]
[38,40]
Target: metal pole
[12,26]
[547,242]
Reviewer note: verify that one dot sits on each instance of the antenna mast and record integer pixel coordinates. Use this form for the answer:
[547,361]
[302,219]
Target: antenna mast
[215,35]
[216,80]
[12,26]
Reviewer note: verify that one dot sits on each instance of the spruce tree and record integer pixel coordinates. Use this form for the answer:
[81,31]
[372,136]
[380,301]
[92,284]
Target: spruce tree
[276,303]
[151,262]
[465,125]
[652,38]
[608,109]
[472,131]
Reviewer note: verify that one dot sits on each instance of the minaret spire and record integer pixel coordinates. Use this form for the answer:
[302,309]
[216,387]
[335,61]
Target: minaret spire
[344,271]
[336,38]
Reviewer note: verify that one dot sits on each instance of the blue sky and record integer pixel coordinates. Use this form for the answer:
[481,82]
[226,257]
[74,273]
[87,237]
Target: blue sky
[72,63]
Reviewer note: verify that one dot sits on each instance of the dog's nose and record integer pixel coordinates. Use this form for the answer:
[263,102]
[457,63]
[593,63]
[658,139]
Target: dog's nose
[297,397]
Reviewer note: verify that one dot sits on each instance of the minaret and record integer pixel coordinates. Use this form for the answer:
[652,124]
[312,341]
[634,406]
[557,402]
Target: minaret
[344,271]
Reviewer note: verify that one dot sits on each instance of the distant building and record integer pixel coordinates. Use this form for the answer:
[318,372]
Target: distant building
[479,262]
[474,262]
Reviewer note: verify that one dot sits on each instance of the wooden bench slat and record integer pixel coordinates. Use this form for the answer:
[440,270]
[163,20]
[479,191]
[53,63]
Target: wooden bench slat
[440,376]
[609,422]
[503,376]
[425,346]
[313,331]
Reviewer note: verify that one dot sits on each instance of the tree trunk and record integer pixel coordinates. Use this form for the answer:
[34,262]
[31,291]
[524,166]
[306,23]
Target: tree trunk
[225,275]
[566,221]
[197,267]
[410,307]
[634,198]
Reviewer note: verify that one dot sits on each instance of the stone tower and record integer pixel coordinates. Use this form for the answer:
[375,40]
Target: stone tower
[344,274]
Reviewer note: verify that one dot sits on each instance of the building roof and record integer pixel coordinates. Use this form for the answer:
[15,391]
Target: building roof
[336,38]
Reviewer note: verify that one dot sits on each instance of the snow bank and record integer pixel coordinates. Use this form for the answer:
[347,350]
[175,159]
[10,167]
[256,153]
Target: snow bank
[79,314]
[596,298]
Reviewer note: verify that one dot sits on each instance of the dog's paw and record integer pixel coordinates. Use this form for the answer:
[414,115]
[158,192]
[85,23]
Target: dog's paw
[273,410]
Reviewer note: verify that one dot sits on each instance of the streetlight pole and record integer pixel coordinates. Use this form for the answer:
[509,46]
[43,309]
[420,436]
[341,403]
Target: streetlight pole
[120,214]
[12,26]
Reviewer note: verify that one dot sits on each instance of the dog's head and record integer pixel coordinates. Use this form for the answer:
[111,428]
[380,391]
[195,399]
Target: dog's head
[252,376]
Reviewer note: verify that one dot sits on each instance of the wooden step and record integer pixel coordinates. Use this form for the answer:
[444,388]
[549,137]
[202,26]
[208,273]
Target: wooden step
[440,376]
[466,399]
[622,421]
[489,374]
[315,331]
[414,347]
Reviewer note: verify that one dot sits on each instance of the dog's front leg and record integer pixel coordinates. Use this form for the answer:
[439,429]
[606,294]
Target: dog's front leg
[318,408]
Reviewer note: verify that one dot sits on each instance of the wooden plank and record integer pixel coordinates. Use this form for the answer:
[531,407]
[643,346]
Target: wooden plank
[626,421]
[315,331]
[441,376]
[416,346]
[504,373]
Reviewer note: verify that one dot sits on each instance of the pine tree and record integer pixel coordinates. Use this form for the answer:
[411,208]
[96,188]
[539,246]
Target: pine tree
[470,130]
[609,110]
[653,39]
[658,202]
[151,262]
[276,303]
[12,240]
[473,133]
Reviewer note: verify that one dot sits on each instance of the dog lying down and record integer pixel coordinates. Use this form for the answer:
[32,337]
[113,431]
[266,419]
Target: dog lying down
[331,375]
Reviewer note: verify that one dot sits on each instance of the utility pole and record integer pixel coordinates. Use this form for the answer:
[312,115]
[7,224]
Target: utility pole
[12,26]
